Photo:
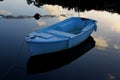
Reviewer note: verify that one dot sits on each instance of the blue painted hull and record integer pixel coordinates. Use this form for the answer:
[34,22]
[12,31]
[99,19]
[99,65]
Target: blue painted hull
[60,36]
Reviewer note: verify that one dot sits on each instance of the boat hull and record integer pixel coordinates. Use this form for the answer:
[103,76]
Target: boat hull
[48,47]
[52,39]
[36,48]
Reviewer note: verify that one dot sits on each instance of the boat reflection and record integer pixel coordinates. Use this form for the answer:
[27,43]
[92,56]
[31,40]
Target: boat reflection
[48,62]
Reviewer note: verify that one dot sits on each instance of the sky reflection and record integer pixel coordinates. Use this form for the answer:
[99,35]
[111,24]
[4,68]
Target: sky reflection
[4,12]
[111,20]
[101,43]
[117,46]
[57,10]
[41,23]
[108,32]
[13,32]
[107,23]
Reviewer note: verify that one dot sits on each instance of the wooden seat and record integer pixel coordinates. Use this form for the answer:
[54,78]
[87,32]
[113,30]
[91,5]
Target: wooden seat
[61,33]
[44,35]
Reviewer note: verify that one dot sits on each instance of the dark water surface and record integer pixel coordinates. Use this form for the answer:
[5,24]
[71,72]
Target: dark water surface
[95,59]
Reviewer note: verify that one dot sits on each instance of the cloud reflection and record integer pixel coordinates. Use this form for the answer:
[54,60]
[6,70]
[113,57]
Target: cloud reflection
[41,23]
[116,28]
[101,43]
[55,10]
[111,20]
[117,46]
[110,77]
[3,12]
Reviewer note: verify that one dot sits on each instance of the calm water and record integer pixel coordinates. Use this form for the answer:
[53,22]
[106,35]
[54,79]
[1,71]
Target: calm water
[97,59]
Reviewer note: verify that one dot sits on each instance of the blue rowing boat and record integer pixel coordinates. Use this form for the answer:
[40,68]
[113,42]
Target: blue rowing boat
[60,36]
